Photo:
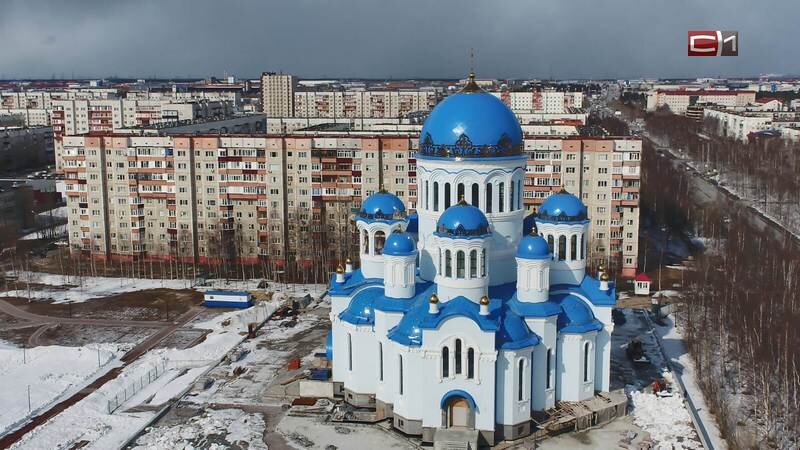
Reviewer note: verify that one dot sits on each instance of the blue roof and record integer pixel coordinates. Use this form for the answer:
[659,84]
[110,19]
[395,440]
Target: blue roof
[590,288]
[462,219]
[352,281]
[531,309]
[382,206]
[575,316]
[533,247]
[233,293]
[468,123]
[528,224]
[400,244]
[514,332]
[562,207]
[361,311]
[412,223]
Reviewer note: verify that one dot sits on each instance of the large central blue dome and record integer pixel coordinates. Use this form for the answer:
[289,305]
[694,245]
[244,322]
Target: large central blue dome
[471,124]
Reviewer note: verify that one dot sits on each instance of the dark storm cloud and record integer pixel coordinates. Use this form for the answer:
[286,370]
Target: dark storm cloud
[400,39]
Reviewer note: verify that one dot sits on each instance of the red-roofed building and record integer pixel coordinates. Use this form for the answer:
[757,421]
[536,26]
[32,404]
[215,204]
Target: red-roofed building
[642,284]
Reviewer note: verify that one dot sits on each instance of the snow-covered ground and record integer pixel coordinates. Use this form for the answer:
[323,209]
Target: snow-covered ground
[89,420]
[311,433]
[52,373]
[666,419]
[79,289]
[213,429]
[55,231]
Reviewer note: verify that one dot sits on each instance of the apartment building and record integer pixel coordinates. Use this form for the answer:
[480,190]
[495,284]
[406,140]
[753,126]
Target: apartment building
[277,94]
[362,103]
[547,101]
[24,147]
[285,201]
[679,100]
[740,124]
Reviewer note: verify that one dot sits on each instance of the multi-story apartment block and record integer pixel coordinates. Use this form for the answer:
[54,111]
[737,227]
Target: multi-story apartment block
[362,103]
[742,123]
[547,101]
[285,201]
[22,147]
[277,94]
[679,100]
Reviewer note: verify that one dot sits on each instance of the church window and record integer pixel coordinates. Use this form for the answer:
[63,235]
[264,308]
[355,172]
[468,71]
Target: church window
[583,246]
[365,237]
[511,197]
[483,262]
[458,356]
[471,363]
[501,197]
[550,242]
[586,362]
[349,352]
[573,247]
[520,377]
[425,196]
[548,382]
[448,264]
[380,361]
[445,362]
[380,239]
[473,264]
[475,194]
[460,191]
[460,264]
[440,262]
[436,196]
[519,194]
[488,198]
[400,370]
[562,247]
[446,195]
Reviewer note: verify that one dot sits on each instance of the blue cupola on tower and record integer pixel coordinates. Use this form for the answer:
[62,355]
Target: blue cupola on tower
[400,244]
[562,207]
[533,247]
[462,220]
[471,124]
[382,206]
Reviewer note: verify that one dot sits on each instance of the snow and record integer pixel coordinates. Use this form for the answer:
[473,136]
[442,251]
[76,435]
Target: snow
[52,372]
[222,428]
[666,419]
[55,231]
[79,289]
[88,420]
[309,433]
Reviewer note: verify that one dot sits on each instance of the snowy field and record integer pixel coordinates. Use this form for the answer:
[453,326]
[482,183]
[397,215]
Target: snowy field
[53,373]
[89,421]
[213,430]
[79,289]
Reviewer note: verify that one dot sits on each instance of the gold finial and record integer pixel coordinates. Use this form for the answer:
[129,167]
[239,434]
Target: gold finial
[534,232]
[604,276]
[434,298]
[340,269]
[484,300]
[471,85]
[382,190]
[563,190]
[348,261]
[601,267]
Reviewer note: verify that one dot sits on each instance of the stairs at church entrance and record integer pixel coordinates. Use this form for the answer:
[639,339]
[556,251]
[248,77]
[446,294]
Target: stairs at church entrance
[455,439]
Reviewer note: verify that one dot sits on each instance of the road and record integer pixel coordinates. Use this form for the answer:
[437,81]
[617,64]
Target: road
[132,355]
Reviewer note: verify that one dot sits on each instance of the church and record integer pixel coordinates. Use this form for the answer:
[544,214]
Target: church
[467,315]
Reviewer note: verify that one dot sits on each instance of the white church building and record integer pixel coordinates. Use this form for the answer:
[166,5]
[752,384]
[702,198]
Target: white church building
[465,315]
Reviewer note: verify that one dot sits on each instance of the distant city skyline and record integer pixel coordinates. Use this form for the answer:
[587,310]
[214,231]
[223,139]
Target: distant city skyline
[581,39]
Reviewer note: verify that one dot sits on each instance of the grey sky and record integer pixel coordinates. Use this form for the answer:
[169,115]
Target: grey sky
[383,38]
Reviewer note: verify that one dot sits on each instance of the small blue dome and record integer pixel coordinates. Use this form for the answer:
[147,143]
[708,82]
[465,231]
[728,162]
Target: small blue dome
[533,247]
[462,219]
[399,244]
[471,124]
[382,205]
[575,316]
[562,207]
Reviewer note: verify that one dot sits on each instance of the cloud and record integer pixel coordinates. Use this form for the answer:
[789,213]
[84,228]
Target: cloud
[382,38]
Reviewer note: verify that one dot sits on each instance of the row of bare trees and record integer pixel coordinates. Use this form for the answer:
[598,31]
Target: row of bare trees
[741,312]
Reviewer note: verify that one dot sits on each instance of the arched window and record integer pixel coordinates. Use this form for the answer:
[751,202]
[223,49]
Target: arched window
[573,247]
[519,197]
[349,352]
[445,362]
[471,363]
[483,262]
[380,361]
[458,356]
[446,195]
[365,238]
[460,189]
[436,196]
[583,246]
[473,264]
[400,372]
[520,377]
[475,194]
[562,247]
[550,243]
[501,200]
[448,264]
[440,262]
[488,198]
[586,361]
[512,203]
[548,382]
[427,198]
[460,264]
[380,239]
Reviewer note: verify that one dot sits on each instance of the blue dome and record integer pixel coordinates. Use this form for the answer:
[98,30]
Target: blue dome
[471,124]
[360,311]
[563,207]
[399,244]
[382,205]
[575,316]
[462,219]
[533,247]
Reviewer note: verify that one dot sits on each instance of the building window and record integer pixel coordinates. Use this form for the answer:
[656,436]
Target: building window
[448,264]
[380,239]
[471,363]
[520,377]
[488,198]
[511,198]
[400,372]
[586,362]
[460,264]
[548,382]
[475,194]
[458,356]
[562,248]
[446,195]
[550,242]
[445,362]
[473,264]
[573,247]
[460,189]
[436,196]
[483,262]
[426,194]
[501,197]
[349,352]
[380,360]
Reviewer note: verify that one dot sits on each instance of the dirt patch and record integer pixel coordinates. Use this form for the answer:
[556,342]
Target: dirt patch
[78,335]
[19,336]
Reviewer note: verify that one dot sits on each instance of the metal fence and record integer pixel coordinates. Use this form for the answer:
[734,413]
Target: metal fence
[137,385]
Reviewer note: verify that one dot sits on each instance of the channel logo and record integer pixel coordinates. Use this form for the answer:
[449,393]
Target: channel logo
[713,43]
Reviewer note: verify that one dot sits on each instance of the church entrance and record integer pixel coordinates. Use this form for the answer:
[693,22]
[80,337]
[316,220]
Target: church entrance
[458,412]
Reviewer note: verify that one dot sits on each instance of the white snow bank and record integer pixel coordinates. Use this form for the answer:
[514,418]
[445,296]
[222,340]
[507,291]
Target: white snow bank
[666,419]
[222,428]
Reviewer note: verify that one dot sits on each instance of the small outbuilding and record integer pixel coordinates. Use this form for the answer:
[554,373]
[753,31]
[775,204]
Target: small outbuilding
[227,299]
[642,284]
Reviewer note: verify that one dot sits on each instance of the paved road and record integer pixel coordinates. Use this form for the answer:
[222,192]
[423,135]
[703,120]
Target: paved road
[9,439]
